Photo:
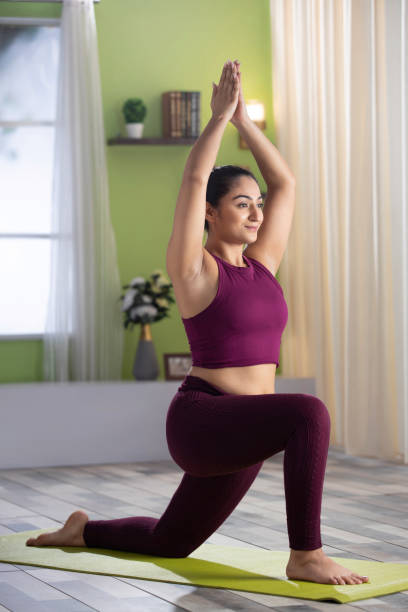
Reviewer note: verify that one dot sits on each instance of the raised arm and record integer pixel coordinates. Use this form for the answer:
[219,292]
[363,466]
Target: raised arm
[185,247]
[278,210]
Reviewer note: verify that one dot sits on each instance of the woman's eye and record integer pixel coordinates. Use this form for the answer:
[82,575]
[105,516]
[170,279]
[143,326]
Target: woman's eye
[260,203]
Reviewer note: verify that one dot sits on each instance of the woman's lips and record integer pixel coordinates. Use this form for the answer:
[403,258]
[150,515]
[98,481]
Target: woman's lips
[251,228]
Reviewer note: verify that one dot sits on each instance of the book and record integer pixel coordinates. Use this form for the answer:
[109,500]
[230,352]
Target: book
[181,114]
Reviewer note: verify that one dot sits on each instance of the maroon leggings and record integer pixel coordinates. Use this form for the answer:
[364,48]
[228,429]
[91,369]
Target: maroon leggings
[221,440]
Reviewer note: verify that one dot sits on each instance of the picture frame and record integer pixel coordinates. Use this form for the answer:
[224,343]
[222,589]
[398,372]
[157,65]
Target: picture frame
[176,365]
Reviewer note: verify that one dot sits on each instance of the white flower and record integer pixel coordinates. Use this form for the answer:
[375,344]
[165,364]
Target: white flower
[128,299]
[162,302]
[138,280]
[139,311]
[147,299]
[161,281]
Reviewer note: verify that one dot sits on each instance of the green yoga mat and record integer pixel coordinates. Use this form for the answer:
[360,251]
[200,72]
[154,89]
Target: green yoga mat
[222,567]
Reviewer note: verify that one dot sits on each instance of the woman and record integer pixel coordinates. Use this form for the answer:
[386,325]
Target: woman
[225,418]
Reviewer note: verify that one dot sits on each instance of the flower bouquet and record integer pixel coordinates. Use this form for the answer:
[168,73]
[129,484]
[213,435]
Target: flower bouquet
[146,301]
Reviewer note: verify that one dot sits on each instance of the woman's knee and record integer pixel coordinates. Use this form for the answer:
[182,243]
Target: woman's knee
[174,544]
[314,410]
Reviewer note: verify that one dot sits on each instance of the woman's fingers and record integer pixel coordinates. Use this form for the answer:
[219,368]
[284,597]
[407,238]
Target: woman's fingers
[234,80]
[224,74]
[229,78]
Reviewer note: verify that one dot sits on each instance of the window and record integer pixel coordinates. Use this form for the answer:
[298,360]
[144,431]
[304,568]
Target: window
[29,51]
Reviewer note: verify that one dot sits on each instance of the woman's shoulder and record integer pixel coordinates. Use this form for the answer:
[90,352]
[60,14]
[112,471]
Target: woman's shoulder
[261,258]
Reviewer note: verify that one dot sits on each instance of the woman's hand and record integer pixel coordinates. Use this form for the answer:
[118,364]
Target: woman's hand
[241,113]
[224,98]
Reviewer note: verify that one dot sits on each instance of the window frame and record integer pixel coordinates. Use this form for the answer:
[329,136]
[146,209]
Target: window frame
[28,21]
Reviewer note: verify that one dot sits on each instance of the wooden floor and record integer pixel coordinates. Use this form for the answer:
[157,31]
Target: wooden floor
[364,516]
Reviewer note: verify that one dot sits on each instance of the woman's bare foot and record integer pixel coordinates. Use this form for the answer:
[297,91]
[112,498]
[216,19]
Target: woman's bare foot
[315,566]
[69,535]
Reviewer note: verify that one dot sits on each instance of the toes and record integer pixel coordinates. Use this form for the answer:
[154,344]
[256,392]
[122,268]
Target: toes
[351,579]
[361,578]
[340,580]
[357,577]
[35,541]
[42,539]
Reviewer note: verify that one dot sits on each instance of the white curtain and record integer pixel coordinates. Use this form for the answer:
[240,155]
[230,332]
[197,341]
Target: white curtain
[84,334]
[340,85]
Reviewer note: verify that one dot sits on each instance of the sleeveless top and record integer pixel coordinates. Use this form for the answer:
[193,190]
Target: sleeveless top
[243,324]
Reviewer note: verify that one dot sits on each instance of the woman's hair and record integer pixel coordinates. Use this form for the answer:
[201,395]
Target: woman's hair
[221,181]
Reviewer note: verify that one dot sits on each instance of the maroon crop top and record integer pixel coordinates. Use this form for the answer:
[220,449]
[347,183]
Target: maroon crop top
[243,324]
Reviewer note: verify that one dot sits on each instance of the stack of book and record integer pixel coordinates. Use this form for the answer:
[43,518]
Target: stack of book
[181,114]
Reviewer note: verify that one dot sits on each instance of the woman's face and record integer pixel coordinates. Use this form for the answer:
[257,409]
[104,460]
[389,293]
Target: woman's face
[238,210]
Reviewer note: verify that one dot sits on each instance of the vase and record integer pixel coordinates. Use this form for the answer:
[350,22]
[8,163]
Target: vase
[145,366]
[134,130]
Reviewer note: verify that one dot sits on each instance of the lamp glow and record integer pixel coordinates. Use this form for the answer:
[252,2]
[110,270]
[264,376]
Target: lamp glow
[256,110]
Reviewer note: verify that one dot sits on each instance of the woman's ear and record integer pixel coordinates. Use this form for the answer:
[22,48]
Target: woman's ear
[208,210]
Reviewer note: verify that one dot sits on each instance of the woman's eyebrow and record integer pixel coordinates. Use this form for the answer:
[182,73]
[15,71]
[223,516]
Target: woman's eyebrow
[245,196]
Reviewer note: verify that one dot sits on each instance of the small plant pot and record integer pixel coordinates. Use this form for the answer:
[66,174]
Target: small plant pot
[134,130]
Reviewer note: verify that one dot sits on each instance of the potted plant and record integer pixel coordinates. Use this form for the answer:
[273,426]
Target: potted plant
[134,111]
[145,302]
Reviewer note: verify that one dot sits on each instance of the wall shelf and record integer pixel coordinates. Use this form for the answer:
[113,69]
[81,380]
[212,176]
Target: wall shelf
[121,140]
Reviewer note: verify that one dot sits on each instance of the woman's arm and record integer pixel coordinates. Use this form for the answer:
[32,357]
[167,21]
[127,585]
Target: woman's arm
[273,167]
[185,248]
[278,210]
[203,154]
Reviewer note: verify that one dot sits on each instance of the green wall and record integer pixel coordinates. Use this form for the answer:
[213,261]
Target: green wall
[146,48]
